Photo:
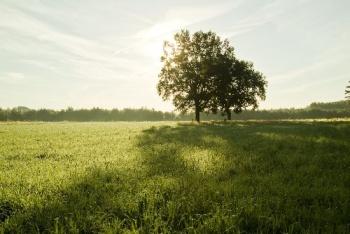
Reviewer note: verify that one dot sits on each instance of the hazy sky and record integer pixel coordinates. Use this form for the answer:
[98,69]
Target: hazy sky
[56,54]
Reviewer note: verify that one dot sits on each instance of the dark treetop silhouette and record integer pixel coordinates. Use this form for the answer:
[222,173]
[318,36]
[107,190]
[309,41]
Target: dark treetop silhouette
[347,92]
[201,72]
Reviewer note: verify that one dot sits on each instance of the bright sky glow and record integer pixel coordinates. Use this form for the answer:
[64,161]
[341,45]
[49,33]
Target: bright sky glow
[92,53]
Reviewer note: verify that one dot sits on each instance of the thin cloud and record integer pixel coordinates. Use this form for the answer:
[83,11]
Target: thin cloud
[138,17]
[80,52]
[175,19]
[108,46]
[307,86]
[299,72]
[12,77]
[266,14]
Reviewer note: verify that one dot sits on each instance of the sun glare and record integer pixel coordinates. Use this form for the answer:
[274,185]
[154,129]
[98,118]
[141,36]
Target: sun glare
[157,34]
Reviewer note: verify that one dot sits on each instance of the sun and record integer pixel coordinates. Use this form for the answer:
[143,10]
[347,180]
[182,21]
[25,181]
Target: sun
[155,36]
[154,49]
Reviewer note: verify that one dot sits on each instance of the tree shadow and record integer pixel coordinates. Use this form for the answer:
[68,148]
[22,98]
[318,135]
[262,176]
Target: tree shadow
[292,163]
[162,147]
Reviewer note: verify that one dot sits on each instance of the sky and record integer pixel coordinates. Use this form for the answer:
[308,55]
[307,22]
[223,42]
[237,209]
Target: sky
[91,53]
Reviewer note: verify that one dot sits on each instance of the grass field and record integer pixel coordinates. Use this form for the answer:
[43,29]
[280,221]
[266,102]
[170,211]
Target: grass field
[240,177]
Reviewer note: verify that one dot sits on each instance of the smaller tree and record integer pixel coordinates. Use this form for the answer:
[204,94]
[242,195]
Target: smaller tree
[238,86]
[347,92]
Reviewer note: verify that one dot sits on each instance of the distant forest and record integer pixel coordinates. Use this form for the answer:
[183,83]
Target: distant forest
[340,109]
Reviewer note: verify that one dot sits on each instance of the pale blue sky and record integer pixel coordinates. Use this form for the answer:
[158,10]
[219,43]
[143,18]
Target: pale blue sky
[84,54]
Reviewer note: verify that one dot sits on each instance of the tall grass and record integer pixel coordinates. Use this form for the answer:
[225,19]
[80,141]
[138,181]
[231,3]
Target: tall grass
[238,177]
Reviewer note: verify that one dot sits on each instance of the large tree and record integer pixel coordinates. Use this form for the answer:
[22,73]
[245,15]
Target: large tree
[237,86]
[188,72]
[200,72]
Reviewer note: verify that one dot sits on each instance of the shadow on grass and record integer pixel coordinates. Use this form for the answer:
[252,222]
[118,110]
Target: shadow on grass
[162,147]
[255,177]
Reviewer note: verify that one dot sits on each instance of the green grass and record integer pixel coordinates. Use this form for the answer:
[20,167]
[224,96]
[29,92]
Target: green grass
[240,177]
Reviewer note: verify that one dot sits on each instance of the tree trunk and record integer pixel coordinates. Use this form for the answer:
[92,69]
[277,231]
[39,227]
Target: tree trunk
[228,112]
[196,103]
[197,115]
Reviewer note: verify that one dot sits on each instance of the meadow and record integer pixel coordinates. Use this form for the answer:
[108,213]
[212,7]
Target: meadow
[169,177]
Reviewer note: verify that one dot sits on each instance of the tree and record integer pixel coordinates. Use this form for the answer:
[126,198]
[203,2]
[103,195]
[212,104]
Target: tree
[347,92]
[188,70]
[238,86]
[201,72]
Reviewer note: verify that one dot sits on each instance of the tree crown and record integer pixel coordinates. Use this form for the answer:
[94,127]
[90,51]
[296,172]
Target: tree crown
[200,72]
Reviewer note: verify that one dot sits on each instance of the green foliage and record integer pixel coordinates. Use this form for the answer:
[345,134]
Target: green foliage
[347,92]
[340,109]
[330,106]
[237,177]
[237,86]
[187,73]
[94,114]
[200,73]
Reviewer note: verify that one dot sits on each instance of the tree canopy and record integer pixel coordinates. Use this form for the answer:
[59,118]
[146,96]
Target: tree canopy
[237,87]
[186,75]
[347,92]
[200,72]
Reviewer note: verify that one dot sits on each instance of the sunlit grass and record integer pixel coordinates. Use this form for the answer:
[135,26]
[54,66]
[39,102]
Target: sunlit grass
[167,177]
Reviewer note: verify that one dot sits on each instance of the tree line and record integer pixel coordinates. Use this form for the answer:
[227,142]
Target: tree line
[339,109]
[201,73]
[94,114]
